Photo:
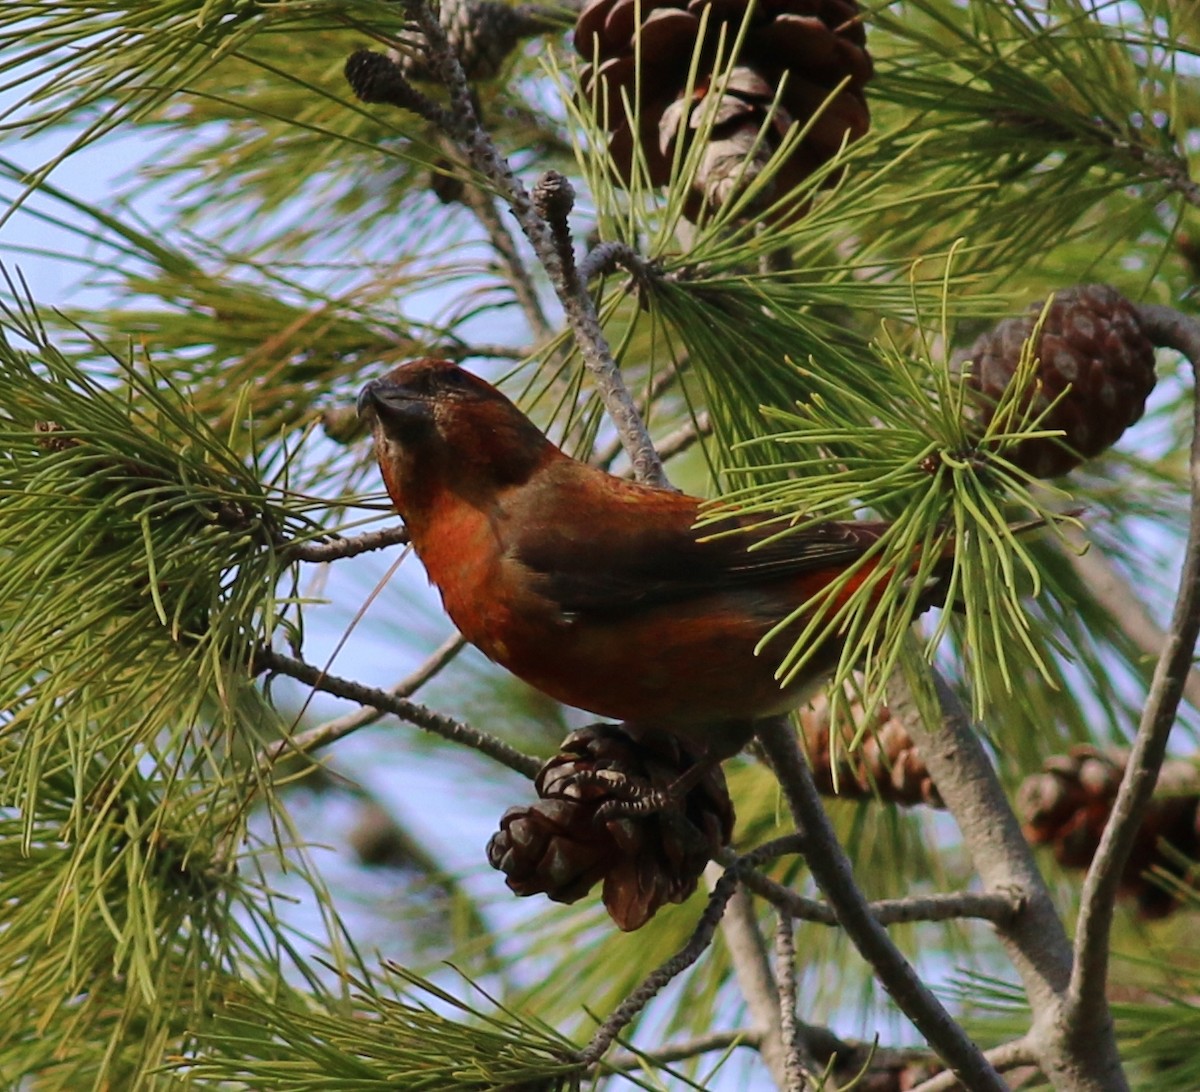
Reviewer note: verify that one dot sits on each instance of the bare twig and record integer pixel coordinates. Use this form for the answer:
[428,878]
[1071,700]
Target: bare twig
[553,199]
[997,907]
[748,954]
[463,124]
[346,547]
[1114,593]
[1168,328]
[797,1067]
[700,939]
[1009,1056]
[269,660]
[681,1052]
[1034,939]
[605,257]
[483,207]
[682,438]
[662,380]
[339,727]
[831,869]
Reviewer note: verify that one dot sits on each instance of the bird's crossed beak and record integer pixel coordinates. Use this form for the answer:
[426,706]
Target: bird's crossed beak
[390,401]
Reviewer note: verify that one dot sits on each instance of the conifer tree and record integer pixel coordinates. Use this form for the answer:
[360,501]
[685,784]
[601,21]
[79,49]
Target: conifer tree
[929,262]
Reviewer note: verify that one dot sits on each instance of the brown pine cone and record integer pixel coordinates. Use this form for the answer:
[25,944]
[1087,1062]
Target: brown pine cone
[562,845]
[1067,805]
[1093,342]
[885,766]
[816,44]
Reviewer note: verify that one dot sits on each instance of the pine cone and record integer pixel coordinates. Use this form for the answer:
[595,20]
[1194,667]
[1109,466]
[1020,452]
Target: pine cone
[816,44]
[1092,341]
[561,846]
[885,766]
[1068,804]
[482,34]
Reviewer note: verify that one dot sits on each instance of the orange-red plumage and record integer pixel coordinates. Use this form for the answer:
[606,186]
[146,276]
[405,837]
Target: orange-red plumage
[597,591]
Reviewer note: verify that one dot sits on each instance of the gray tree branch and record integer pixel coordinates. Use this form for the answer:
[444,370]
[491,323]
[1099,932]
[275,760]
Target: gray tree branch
[577,303]
[1168,328]
[831,869]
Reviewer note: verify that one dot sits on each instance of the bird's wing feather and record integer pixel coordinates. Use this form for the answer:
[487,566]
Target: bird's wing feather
[652,554]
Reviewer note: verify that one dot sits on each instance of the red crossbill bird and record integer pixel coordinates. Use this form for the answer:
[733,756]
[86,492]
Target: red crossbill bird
[598,591]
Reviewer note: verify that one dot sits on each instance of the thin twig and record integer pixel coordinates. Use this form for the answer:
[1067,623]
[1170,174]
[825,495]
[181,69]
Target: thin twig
[1113,592]
[269,660]
[997,907]
[682,438]
[1006,1057]
[796,1071]
[1168,328]
[831,869]
[331,731]
[483,207]
[572,293]
[747,952]
[681,1052]
[346,547]
[663,378]
[605,257]
[700,939]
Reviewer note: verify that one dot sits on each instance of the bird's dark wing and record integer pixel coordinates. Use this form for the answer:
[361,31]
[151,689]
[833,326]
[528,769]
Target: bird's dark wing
[648,553]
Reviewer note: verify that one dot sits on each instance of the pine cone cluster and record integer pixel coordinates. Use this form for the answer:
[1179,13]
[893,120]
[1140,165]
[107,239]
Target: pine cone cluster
[587,828]
[1067,805]
[1090,341]
[814,44]
[885,766]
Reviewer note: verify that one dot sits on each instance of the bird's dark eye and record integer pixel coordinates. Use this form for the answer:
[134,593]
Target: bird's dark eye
[454,380]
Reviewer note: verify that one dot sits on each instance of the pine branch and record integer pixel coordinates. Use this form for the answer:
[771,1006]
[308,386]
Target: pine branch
[831,870]
[748,954]
[346,547]
[1035,939]
[1086,1006]
[331,731]
[455,731]
[461,123]
[1116,595]
[662,381]
[700,939]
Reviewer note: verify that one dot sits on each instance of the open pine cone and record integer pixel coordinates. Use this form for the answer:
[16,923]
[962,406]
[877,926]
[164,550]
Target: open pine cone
[885,766]
[1093,342]
[818,45]
[1068,804]
[563,845]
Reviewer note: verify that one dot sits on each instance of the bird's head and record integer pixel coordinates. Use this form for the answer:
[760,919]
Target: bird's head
[438,426]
